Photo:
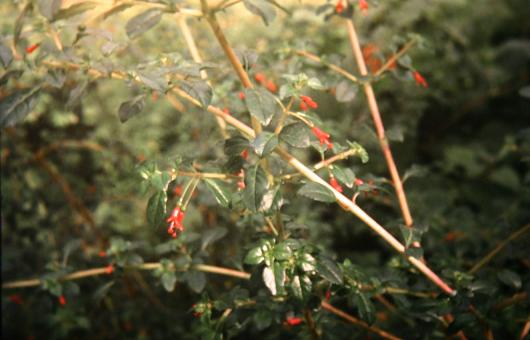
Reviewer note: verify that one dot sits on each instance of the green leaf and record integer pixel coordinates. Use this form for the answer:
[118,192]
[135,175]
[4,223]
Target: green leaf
[282,251]
[49,8]
[365,307]
[264,143]
[56,78]
[6,56]
[14,108]
[345,176]
[76,94]
[262,318]
[219,190]
[510,278]
[168,279]
[143,22]
[346,91]
[198,89]
[264,9]
[102,291]
[255,187]
[269,280]
[255,255]
[279,278]
[212,235]
[19,22]
[115,10]
[156,208]
[359,151]
[234,146]
[329,270]
[155,80]
[414,171]
[74,10]
[131,108]
[317,192]
[315,84]
[296,135]
[196,280]
[396,133]
[261,104]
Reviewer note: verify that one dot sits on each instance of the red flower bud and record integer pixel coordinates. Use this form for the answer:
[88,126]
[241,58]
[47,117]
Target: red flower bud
[260,77]
[363,6]
[333,182]
[244,154]
[62,300]
[419,79]
[271,86]
[175,222]
[242,95]
[339,7]
[309,101]
[303,106]
[30,49]
[109,269]
[294,321]
[359,181]
[178,190]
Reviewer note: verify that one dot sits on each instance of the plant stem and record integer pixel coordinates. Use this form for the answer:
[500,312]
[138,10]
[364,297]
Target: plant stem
[358,322]
[378,122]
[331,66]
[395,57]
[230,54]
[486,259]
[192,47]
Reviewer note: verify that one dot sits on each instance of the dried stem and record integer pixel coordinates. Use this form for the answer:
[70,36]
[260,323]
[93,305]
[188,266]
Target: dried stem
[331,66]
[395,57]
[358,322]
[380,129]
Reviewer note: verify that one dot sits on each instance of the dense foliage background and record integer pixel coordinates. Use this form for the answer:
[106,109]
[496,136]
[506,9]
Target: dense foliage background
[76,181]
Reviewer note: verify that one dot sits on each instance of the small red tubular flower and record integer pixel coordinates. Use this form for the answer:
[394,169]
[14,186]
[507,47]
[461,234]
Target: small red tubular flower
[419,79]
[244,154]
[16,299]
[271,86]
[226,111]
[339,7]
[303,106]
[175,222]
[293,321]
[359,181]
[102,253]
[328,295]
[363,6]
[333,182]
[62,300]
[309,101]
[260,77]
[30,49]
[242,95]
[178,190]
[322,137]
[109,269]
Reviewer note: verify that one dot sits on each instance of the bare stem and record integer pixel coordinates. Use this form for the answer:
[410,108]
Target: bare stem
[331,66]
[380,129]
[395,57]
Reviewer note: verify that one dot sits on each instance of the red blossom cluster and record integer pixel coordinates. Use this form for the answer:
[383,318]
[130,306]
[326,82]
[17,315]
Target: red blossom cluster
[31,48]
[175,222]
[363,6]
[293,321]
[307,102]
[333,182]
[267,83]
[339,7]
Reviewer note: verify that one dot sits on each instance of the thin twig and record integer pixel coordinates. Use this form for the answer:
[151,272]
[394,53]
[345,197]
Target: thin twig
[486,259]
[395,57]
[331,66]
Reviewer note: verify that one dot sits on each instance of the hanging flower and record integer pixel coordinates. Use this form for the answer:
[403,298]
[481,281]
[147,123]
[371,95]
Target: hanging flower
[109,269]
[363,6]
[294,321]
[419,79]
[271,86]
[260,77]
[175,222]
[333,182]
[241,95]
[359,181]
[339,7]
[322,137]
[244,154]
[303,106]
[227,111]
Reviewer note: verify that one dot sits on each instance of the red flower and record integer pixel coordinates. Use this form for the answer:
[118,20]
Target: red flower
[109,269]
[102,253]
[328,295]
[271,86]
[335,184]
[309,101]
[339,7]
[175,222]
[62,300]
[363,6]
[226,111]
[303,106]
[322,137]
[244,154]
[293,321]
[359,181]
[260,78]
[419,79]
[16,299]
[242,95]
[178,190]
[30,49]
